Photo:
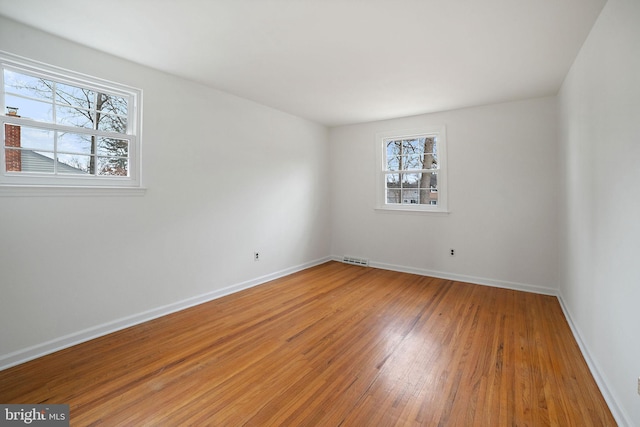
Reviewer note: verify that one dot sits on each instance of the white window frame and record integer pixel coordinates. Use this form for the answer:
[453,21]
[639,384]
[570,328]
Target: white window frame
[381,171]
[38,184]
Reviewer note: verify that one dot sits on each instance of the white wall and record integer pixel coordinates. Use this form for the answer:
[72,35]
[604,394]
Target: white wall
[225,177]
[195,230]
[502,174]
[599,106]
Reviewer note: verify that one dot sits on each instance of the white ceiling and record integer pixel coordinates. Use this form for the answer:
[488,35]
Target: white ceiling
[337,61]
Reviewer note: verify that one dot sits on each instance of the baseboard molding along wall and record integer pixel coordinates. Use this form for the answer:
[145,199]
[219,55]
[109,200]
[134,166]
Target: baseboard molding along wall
[30,353]
[39,350]
[462,278]
[621,417]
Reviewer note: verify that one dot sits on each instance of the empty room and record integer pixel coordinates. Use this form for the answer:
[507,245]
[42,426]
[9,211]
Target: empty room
[320,213]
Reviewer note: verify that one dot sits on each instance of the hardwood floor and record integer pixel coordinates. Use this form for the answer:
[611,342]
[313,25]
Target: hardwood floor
[334,345]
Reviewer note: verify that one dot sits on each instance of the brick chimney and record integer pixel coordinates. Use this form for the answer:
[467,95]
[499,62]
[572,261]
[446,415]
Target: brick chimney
[13,158]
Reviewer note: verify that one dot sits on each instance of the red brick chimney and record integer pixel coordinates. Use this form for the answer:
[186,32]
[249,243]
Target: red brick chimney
[13,158]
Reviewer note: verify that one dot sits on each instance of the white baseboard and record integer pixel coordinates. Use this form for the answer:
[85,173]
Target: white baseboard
[33,352]
[462,278]
[621,417]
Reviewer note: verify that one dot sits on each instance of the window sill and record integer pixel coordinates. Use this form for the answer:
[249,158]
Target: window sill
[402,210]
[62,191]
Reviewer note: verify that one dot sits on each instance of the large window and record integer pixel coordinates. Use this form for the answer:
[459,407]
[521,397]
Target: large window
[412,170]
[62,128]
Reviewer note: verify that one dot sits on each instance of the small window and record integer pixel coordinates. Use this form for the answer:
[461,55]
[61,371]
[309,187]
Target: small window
[61,128]
[412,170]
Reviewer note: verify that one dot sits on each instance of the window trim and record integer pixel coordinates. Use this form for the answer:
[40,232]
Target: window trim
[35,184]
[381,137]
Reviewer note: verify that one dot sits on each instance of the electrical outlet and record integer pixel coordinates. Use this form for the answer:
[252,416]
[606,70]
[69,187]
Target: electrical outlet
[452,252]
[256,256]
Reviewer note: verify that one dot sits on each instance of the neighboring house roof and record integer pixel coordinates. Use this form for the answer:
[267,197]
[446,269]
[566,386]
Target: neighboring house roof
[35,162]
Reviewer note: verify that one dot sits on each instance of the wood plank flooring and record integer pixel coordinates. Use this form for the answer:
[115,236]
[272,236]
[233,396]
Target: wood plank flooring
[334,345]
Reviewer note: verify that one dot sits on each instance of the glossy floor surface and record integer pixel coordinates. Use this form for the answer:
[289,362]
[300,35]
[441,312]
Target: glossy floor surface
[334,345]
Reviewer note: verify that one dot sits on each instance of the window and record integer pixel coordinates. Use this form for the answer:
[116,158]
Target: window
[412,170]
[61,128]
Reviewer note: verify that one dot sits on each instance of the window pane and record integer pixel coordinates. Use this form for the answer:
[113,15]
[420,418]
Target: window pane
[113,147]
[76,117]
[74,143]
[113,166]
[430,181]
[411,154]
[430,161]
[13,160]
[393,196]
[112,123]
[29,86]
[111,104]
[37,161]
[411,180]
[428,197]
[430,144]
[393,180]
[30,109]
[393,163]
[75,96]
[410,196]
[412,162]
[74,164]
[393,148]
[27,137]
[413,146]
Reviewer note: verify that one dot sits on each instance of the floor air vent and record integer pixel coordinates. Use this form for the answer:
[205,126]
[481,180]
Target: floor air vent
[355,261]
